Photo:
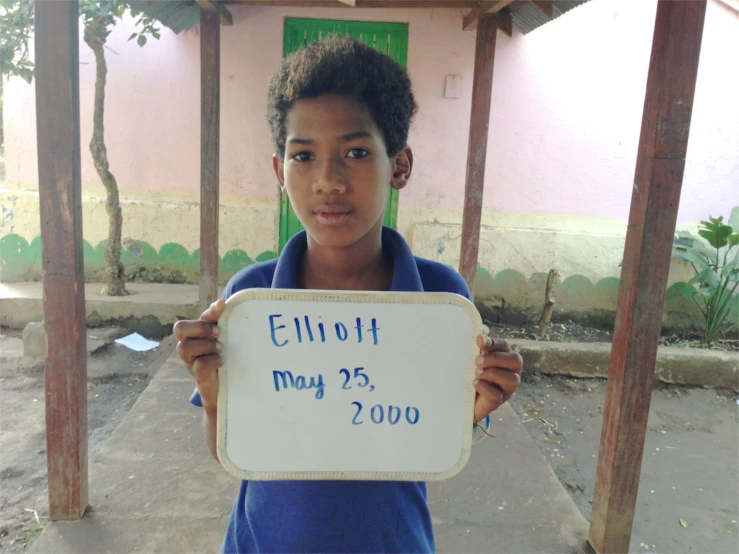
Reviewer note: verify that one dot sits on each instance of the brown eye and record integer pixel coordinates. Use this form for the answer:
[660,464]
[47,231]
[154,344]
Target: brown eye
[302,157]
[358,153]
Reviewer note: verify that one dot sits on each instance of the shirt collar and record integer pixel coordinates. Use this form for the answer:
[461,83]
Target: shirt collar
[405,270]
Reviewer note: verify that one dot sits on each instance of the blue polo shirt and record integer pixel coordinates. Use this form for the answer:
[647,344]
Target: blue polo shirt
[335,516]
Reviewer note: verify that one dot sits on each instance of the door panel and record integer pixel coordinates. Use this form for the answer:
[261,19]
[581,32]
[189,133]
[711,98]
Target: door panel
[391,38]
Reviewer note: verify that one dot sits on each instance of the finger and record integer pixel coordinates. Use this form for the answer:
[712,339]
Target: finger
[484,342]
[489,398]
[205,371]
[500,345]
[184,330]
[507,360]
[190,349]
[214,311]
[507,381]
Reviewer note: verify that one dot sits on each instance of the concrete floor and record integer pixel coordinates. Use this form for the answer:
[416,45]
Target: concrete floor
[155,488]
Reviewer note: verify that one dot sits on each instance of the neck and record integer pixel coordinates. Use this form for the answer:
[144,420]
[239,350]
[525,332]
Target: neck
[361,266]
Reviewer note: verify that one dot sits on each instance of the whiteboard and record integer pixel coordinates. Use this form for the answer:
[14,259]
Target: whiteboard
[346,385]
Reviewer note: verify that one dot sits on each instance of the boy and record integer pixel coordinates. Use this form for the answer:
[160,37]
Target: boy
[339,112]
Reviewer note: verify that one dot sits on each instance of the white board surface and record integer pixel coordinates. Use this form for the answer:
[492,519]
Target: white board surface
[346,385]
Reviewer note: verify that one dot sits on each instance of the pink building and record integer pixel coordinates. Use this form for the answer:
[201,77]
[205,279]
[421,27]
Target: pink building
[566,108]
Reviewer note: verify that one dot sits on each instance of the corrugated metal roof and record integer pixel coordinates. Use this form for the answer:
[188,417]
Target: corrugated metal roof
[179,15]
[527,18]
[175,14]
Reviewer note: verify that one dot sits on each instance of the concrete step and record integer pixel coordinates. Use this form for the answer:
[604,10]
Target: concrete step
[151,309]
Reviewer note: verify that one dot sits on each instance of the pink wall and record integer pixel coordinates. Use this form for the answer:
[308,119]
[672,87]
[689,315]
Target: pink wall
[152,115]
[567,105]
[252,49]
[567,108]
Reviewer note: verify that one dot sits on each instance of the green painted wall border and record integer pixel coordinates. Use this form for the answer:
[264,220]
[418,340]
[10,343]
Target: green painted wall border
[173,263]
[21,261]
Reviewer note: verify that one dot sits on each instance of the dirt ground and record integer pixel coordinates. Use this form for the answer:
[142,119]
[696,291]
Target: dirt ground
[688,499]
[575,332]
[116,377]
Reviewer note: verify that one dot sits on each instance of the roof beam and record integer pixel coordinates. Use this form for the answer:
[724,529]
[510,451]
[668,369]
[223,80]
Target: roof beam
[505,22]
[216,6]
[517,5]
[544,6]
[470,20]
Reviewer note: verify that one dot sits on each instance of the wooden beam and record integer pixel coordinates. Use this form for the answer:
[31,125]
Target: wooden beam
[482,87]
[517,5]
[60,200]
[660,163]
[469,21]
[505,22]
[216,6]
[544,6]
[210,123]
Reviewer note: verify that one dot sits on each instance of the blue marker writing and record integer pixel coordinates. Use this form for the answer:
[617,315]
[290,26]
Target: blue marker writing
[272,329]
[374,330]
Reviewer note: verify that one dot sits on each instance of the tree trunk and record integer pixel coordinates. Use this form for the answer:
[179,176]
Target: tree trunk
[546,314]
[115,284]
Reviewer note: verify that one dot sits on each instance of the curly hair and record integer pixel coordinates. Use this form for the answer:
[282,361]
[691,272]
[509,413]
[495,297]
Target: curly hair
[347,67]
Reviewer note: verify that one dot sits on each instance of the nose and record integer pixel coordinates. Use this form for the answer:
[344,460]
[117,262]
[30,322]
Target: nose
[330,178]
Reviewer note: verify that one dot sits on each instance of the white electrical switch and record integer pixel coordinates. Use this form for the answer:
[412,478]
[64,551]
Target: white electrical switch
[453,86]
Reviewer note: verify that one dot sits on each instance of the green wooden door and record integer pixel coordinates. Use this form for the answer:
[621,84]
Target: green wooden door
[391,38]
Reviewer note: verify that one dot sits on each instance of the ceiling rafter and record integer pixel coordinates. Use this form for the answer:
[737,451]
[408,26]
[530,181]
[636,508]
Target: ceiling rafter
[215,6]
[493,6]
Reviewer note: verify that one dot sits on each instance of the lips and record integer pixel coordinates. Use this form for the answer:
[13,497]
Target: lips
[332,213]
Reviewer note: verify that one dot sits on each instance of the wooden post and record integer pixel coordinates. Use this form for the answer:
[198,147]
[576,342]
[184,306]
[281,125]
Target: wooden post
[482,87]
[58,129]
[210,124]
[659,172]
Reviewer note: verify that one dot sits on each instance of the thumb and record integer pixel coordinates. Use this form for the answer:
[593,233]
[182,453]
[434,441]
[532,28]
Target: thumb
[484,342]
[214,311]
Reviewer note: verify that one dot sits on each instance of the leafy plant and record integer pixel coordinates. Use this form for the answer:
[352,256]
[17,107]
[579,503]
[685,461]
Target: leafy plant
[716,267]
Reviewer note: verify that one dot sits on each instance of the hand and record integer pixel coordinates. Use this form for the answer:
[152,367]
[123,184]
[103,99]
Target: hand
[199,348]
[497,376]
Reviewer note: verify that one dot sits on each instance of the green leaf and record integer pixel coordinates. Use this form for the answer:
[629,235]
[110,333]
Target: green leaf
[141,40]
[26,74]
[734,219]
[686,242]
[105,7]
[133,35]
[697,258]
[706,278]
[156,35]
[717,235]
[731,268]
[734,239]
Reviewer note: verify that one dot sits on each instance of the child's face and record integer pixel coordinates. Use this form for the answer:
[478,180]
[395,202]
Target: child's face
[336,169]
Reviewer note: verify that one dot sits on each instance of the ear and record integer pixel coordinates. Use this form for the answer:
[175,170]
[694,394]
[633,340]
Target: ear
[279,166]
[402,168]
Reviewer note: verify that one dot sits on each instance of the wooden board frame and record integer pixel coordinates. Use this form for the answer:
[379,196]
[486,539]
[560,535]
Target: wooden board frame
[349,297]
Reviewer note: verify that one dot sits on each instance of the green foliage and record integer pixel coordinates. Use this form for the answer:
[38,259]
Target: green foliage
[16,24]
[716,267]
[16,27]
